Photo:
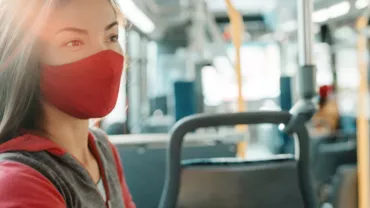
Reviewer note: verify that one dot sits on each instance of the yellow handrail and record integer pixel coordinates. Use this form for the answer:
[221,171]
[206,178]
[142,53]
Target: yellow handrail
[362,120]
[237,31]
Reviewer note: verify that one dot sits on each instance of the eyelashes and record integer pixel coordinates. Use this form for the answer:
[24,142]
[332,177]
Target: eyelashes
[73,43]
[114,38]
[79,43]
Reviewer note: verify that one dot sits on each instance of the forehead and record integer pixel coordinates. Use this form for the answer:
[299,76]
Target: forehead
[86,14]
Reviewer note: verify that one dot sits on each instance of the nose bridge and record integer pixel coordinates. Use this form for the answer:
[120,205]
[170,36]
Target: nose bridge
[98,42]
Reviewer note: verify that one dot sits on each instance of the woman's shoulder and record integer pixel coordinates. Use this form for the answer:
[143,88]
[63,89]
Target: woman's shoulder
[23,186]
[15,173]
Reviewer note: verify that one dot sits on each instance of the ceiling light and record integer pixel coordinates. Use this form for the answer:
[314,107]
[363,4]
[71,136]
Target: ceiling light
[361,4]
[320,16]
[136,16]
[339,9]
[331,12]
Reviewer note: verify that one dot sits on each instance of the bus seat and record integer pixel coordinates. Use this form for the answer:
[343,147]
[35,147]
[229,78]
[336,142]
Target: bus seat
[330,156]
[345,194]
[144,166]
[282,181]
[231,182]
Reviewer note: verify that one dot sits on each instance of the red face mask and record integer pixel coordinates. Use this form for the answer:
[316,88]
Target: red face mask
[84,89]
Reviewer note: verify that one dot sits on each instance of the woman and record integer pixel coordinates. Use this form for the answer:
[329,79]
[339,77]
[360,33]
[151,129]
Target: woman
[60,66]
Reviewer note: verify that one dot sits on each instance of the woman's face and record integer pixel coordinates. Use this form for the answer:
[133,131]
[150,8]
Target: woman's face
[78,29]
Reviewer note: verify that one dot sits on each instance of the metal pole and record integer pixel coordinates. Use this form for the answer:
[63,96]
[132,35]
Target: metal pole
[305,108]
[237,30]
[307,70]
[305,37]
[363,143]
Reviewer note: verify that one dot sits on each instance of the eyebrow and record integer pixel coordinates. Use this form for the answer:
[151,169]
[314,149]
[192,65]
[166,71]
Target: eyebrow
[72,29]
[85,32]
[111,25]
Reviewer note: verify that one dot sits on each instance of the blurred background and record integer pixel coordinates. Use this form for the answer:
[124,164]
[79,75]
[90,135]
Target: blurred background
[181,62]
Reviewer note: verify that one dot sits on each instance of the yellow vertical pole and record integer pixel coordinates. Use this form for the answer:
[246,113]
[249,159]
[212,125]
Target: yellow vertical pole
[362,120]
[237,31]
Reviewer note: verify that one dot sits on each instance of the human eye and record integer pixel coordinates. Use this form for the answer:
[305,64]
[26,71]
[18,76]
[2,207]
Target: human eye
[73,44]
[113,38]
